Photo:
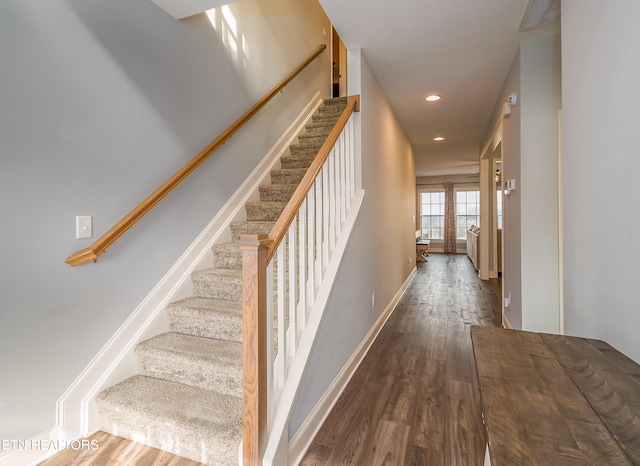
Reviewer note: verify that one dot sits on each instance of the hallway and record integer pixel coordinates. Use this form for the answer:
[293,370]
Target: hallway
[414,399]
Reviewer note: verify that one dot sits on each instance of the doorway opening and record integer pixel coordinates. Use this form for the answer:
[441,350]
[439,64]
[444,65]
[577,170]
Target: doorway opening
[339,66]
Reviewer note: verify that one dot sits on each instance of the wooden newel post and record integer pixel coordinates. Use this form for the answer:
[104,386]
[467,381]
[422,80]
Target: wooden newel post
[254,346]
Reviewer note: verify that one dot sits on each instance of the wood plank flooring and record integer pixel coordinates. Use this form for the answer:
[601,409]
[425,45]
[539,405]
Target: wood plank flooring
[112,451]
[414,400]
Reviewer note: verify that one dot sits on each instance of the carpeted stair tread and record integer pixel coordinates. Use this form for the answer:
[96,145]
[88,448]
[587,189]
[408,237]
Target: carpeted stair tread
[315,140]
[325,126]
[298,160]
[223,284]
[207,317]
[239,228]
[327,113]
[226,256]
[318,129]
[339,101]
[196,361]
[288,175]
[268,211]
[277,192]
[332,110]
[304,148]
[198,424]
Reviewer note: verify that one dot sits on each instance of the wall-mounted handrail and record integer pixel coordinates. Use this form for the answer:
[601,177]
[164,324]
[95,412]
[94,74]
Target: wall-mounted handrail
[114,233]
[300,246]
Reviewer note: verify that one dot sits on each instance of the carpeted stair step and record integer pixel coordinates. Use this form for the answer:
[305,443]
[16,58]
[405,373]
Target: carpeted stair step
[198,424]
[223,284]
[264,211]
[196,361]
[331,109]
[226,256]
[249,228]
[312,139]
[298,160]
[302,150]
[207,317]
[328,112]
[324,125]
[336,101]
[287,175]
[277,192]
[325,118]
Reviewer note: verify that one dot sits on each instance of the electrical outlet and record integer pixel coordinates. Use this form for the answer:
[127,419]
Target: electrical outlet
[373,300]
[507,300]
[410,261]
[84,226]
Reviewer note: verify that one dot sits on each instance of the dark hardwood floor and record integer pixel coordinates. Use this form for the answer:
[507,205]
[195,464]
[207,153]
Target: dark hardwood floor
[414,400]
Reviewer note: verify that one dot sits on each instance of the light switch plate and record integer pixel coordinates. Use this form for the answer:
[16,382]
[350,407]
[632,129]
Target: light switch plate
[84,226]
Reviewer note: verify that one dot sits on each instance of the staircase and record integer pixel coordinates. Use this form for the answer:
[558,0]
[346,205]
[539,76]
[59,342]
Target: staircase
[187,396]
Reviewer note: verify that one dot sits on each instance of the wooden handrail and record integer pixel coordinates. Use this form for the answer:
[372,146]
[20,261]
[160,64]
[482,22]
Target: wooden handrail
[114,233]
[289,213]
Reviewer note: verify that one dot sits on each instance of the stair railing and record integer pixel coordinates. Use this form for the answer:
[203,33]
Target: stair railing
[282,273]
[115,232]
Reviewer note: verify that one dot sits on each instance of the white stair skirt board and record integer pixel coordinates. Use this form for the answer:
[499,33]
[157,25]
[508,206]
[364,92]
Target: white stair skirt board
[303,438]
[76,410]
[277,449]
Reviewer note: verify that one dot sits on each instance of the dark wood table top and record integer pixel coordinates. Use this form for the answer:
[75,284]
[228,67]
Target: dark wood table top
[557,400]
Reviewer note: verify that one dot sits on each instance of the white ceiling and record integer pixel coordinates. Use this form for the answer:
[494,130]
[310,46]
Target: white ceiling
[459,49]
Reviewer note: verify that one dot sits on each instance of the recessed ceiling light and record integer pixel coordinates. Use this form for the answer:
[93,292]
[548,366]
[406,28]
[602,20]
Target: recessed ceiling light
[438,138]
[432,98]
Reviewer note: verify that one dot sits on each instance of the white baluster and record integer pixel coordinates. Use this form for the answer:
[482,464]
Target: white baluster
[282,312]
[293,324]
[326,215]
[332,200]
[302,269]
[318,228]
[311,247]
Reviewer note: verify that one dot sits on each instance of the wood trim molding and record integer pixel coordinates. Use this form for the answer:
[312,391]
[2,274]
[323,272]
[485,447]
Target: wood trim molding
[114,233]
[254,346]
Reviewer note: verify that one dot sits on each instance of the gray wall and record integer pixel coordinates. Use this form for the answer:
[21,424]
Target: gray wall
[530,213]
[383,240]
[511,209]
[600,100]
[540,98]
[101,102]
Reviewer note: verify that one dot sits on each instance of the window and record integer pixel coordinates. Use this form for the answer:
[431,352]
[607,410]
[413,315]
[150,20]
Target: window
[467,212]
[432,214]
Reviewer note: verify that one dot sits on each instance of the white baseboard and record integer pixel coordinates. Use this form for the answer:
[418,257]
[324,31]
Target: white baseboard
[76,410]
[303,438]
